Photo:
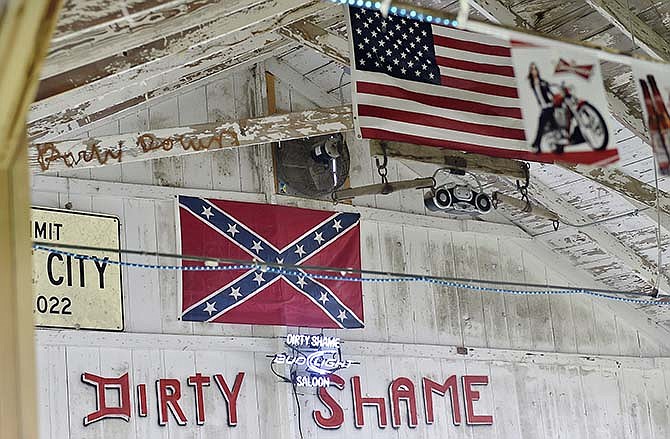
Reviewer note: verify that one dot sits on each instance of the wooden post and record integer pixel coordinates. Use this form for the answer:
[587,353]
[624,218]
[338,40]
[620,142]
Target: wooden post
[383,188]
[25,29]
[450,158]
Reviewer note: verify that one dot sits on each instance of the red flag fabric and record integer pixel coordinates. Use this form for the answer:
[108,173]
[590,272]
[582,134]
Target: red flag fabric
[275,234]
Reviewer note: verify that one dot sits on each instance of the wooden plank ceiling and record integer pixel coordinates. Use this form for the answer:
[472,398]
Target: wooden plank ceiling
[107,59]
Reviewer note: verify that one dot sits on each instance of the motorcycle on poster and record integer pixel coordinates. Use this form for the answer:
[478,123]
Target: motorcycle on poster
[564,105]
[653,87]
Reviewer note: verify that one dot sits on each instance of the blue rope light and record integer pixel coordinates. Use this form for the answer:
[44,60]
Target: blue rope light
[297,273]
[402,12]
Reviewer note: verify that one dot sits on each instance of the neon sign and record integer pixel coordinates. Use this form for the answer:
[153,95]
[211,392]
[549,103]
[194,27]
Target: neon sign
[313,358]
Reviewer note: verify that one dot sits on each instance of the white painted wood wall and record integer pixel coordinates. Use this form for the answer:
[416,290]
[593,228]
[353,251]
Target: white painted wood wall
[529,400]
[529,396]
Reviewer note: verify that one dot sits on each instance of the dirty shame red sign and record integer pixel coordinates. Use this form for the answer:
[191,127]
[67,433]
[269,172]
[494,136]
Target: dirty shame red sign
[402,397]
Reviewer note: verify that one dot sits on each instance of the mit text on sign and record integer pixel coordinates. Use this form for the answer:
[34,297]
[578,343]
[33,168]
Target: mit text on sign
[72,291]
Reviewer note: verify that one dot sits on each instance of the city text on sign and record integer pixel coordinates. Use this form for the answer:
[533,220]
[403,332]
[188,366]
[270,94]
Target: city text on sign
[71,290]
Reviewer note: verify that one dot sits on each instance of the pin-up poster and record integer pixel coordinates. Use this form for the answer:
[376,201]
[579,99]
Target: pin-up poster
[653,86]
[564,105]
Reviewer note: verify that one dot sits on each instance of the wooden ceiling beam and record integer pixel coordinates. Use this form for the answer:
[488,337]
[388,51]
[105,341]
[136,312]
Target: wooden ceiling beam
[304,86]
[78,15]
[605,239]
[450,158]
[619,14]
[75,117]
[184,24]
[178,141]
[629,187]
[134,65]
[310,35]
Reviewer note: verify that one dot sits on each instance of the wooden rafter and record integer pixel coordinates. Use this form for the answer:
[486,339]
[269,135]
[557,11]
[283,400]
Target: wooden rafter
[450,158]
[307,88]
[629,187]
[172,27]
[170,142]
[77,118]
[200,46]
[623,18]
[158,67]
[310,35]
[646,270]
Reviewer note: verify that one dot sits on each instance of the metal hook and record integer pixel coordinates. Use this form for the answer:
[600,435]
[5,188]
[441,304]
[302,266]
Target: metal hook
[526,172]
[386,158]
[381,167]
[523,189]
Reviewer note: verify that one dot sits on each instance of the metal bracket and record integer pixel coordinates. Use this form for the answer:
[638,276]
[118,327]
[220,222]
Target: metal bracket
[382,169]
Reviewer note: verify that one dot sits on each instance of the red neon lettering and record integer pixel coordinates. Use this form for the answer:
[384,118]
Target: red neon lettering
[360,402]
[402,389]
[336,418]
[471,396]
[102,384]
[230,395]
[169,393]
[142,410]
[198,381]
[450,385]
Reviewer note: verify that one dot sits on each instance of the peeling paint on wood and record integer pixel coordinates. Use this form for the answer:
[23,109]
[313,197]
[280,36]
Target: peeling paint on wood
[185,140]
[133,65]
[71,119]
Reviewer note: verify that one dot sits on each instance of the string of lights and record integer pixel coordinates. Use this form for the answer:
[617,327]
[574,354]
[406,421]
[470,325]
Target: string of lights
[429,15]
[343,274]
[400,11]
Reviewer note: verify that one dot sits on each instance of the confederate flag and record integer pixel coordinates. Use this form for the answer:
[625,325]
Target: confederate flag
[274,234]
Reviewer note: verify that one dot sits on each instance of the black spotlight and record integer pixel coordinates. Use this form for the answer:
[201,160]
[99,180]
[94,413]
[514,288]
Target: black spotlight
[437,199]
[483,203]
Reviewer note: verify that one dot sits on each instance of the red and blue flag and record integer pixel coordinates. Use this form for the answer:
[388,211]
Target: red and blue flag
[273,234]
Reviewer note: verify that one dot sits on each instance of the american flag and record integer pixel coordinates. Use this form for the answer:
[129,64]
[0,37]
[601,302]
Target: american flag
[434,85]
[274,234]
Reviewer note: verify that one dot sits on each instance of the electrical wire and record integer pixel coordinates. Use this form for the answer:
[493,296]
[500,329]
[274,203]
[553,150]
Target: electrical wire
[237,264]
[659,256]
[634,212]
[212,264]
[298,408]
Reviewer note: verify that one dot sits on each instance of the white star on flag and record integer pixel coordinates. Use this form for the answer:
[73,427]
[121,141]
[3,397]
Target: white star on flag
[301,281]
[258,278]
[257,246]
[280,260]
[207,211]
[324,298]
[300,250]
[319,237]
[209,309]
[341,316]
[232,229]
[337,225]
[235,293]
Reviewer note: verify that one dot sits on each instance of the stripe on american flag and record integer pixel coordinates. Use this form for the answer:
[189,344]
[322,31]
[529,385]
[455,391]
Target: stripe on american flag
[431,84]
